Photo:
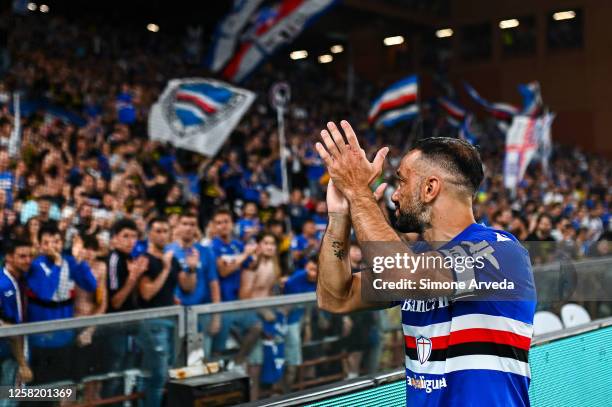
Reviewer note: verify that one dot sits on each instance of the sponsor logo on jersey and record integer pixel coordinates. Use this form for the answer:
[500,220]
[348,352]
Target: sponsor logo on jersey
[429,385]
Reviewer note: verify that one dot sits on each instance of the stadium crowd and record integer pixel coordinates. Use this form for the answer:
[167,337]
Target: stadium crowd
[96,218]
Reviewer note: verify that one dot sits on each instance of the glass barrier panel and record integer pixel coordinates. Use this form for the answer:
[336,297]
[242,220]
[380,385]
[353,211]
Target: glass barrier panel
[296,347]
[121,361]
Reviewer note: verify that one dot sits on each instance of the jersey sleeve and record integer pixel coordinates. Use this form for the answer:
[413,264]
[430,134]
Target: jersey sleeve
[211,264]
[8,304]
[37,281]
[216,248]
[297,244]
[82,275]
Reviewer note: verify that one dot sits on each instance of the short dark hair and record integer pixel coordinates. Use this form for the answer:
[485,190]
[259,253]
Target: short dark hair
[274,222]
[14,244]
[313,257]
[454,155]
[222,211]
[187,214]
[90,242]
[48,229]
[157,219]
[261,235]
[45,198]
[123,223]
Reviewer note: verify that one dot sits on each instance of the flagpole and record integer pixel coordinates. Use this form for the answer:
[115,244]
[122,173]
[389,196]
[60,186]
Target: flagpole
[280,114]
[280,94]
[15,139]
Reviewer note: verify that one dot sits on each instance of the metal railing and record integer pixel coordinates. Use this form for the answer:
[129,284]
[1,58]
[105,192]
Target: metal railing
[193,313]
[190,339]
[97,320]
[187,326]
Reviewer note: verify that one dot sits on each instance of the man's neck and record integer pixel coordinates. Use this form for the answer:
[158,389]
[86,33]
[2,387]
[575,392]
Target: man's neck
[155,251]
[226,239]
[185,244]
[447,223]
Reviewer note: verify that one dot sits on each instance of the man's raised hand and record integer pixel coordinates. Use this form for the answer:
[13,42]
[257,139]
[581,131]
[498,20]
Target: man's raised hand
[336,202]
[346,161]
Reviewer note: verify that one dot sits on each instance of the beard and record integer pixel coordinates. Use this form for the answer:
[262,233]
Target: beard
[413,217]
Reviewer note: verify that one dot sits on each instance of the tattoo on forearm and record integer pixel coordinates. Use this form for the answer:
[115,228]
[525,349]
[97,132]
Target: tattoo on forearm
[338,248]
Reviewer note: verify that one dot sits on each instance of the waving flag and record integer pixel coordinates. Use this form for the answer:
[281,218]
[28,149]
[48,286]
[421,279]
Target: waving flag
[532,98]
[273,28]
[544,139]
[465,132]
[198,114]
[456,113]
[501,111]
[397,103]
[521,147]
[227,33]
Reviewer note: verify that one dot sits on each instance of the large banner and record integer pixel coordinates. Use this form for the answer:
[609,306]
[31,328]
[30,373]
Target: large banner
[272,28]
[228,32]
[524,137]
[198,114]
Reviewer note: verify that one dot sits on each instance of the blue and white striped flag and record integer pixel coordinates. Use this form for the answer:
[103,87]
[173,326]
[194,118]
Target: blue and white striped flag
[198,114]
[397,103]
[501,111]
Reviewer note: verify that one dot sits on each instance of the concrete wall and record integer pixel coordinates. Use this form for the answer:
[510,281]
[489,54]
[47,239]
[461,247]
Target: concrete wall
[576,84]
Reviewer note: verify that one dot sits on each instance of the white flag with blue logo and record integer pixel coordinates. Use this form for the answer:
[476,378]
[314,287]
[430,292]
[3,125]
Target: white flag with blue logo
[198,114]
[521,147]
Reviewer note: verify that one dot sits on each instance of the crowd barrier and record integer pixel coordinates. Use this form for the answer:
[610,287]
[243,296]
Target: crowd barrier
[185,330]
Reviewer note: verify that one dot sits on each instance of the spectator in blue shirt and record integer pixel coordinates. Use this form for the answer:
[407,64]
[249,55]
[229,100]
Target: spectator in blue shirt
[314,171]
[50,290]
[301,281]
[231,254]
[304,244]
[249,225]
[232,257]
[297,211]
[197,263]
[13,363]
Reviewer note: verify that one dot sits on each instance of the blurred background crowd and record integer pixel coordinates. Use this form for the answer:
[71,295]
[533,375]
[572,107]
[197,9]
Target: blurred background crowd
[99,205]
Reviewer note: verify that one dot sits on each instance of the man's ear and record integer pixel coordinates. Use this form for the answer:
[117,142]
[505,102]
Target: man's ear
[431,188]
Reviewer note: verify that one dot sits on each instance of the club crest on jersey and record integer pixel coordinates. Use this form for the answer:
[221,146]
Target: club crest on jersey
[423,348]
